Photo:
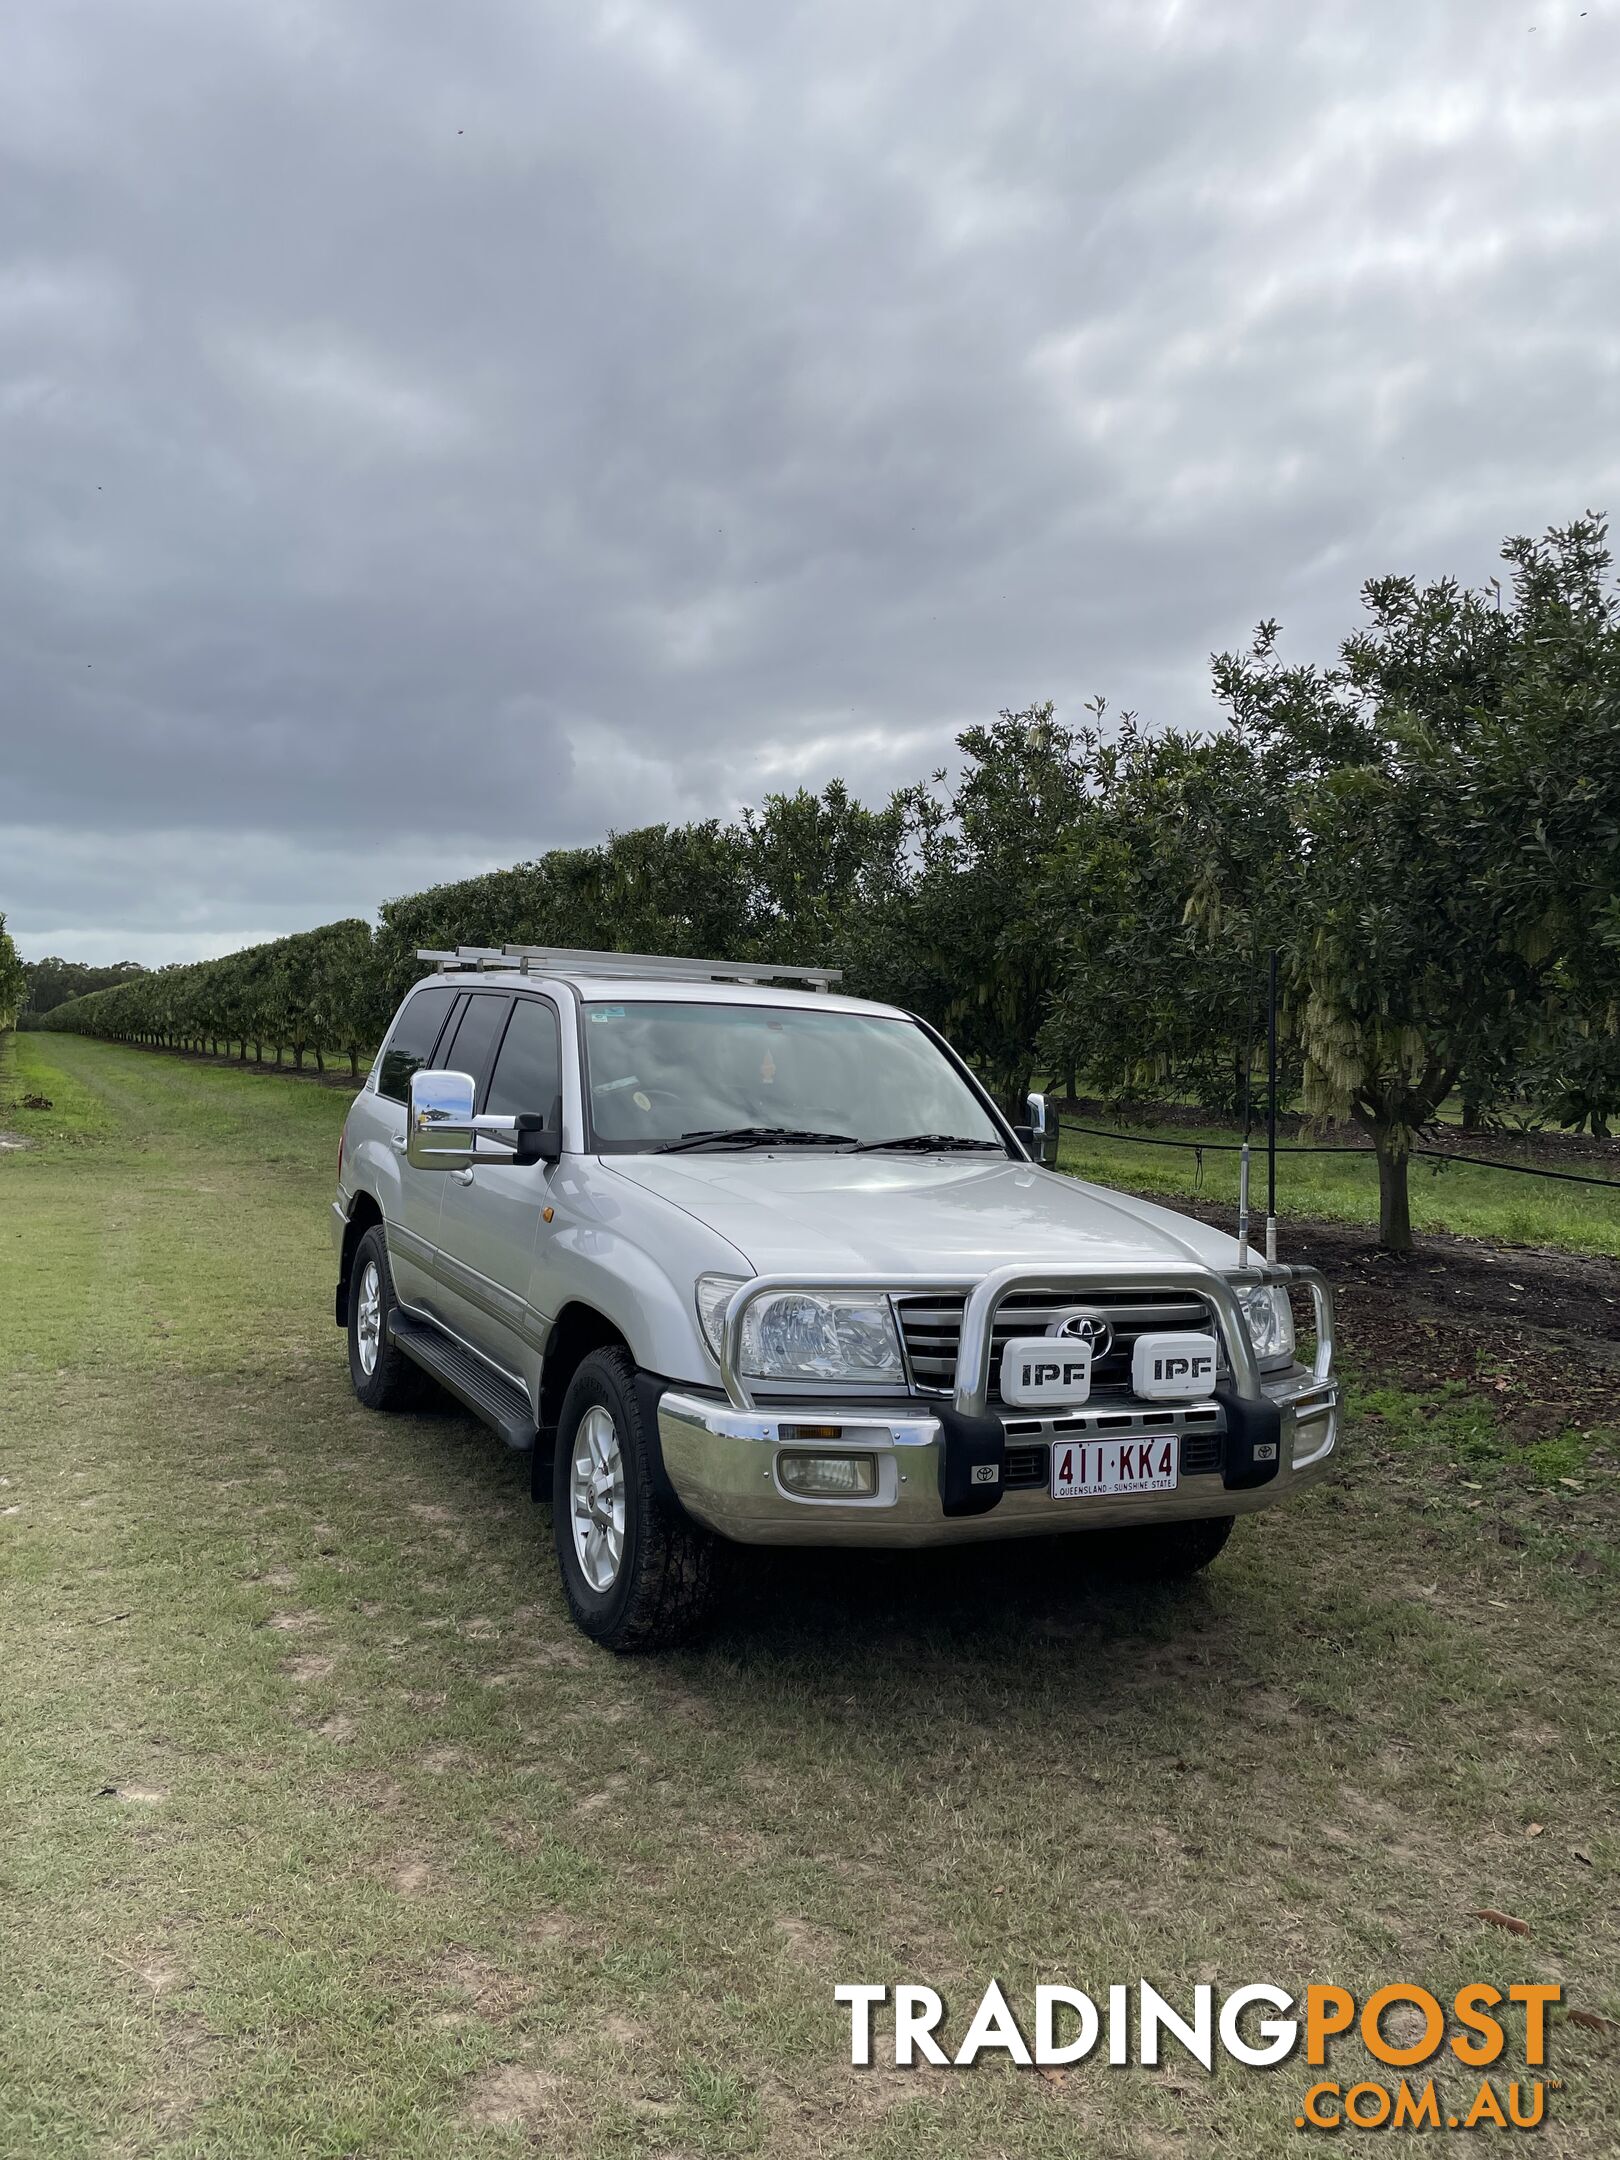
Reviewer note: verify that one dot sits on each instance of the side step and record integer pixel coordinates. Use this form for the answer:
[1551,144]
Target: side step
[501,1405]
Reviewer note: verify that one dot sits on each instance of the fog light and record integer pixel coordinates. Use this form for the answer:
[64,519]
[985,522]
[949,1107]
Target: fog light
[828,1477]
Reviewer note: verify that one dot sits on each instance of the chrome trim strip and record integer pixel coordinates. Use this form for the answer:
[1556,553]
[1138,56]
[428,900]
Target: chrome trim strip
[947,1318]
[1137,1418]
[504,1306]
[411,1244]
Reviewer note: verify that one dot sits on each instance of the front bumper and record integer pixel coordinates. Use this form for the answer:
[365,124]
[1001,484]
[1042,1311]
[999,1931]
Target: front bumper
[957,1471]
[722,1463]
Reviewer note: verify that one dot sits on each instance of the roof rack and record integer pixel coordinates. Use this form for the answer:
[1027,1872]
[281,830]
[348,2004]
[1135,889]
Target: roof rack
[660,967]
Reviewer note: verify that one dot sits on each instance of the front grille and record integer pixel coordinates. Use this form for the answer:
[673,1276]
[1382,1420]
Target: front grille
[1200,1453]
[931,1328]
[1028,1466]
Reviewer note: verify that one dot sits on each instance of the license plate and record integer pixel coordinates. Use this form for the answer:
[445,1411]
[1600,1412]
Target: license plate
[1091,1469]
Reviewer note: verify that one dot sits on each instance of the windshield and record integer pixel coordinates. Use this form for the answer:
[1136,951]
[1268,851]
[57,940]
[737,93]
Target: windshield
[665,1073]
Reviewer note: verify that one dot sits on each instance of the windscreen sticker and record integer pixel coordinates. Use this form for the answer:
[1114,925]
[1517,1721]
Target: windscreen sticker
[606,1012]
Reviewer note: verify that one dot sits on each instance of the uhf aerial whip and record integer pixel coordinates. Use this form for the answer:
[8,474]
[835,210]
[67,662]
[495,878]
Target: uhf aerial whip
[1243,1157]
[1271,1109]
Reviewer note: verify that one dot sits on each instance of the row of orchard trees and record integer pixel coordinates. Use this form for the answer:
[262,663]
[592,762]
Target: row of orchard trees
[1427,832]
[792,878]
[313,995]
[13,979]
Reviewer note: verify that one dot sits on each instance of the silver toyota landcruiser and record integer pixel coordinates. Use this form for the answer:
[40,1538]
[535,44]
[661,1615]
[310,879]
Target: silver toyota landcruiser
[739,1258]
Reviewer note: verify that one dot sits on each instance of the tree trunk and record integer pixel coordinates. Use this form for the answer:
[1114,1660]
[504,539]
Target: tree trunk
[320,1062]
[1011,1091]
[298,1057]
[1394,1210]
[1471,1108]
[354,1067]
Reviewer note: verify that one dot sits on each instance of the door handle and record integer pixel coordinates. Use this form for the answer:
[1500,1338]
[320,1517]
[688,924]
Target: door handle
[463,1177]
[399,1142]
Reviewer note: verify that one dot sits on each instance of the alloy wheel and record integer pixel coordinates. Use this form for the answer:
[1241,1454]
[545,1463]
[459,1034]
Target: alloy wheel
[596,1498]
[368,1318]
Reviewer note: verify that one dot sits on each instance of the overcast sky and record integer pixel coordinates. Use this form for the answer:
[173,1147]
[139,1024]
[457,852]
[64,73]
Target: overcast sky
[433,432]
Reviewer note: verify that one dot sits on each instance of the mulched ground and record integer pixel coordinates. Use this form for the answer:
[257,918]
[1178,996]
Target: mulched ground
[1539,1330]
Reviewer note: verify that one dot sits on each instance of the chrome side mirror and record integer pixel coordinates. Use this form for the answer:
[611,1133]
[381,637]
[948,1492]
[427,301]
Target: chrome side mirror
[1040,1134]
[439,1121]
[442,1132]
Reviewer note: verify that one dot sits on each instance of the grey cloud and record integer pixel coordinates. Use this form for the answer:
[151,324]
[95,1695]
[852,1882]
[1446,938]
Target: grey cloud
[432,435]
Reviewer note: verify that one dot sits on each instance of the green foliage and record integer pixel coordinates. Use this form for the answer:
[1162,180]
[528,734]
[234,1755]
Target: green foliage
[1166,899]
[800,878]
[52,981]
[973,925]
[314,992]
[13,979]
[1428,832]
[1454,786]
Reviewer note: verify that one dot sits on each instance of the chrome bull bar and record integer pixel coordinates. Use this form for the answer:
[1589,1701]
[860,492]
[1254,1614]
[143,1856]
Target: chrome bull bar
[985,1293]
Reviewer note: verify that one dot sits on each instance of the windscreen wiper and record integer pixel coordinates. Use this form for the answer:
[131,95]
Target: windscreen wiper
[755,1136]
[931,1143]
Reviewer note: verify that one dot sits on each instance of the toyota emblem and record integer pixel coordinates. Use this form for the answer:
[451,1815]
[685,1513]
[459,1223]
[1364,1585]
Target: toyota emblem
[1094,1329]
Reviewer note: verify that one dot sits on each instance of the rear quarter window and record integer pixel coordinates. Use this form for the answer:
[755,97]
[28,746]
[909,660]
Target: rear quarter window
[411,1040]
[471,1048]
[528,1070]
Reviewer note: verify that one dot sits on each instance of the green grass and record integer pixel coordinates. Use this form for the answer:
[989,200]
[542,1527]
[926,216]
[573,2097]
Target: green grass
[1344,1188]
[327,1836]
[1461,1425]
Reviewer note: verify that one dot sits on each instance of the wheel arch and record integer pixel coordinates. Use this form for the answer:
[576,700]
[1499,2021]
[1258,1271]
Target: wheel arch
[364,1214]
[577,1330]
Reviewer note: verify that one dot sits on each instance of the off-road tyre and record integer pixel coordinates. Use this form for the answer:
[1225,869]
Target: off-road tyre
[1164,1552]
[393,1383]
[665,1583]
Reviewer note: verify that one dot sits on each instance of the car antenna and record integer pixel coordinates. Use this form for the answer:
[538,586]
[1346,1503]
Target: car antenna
[1271,1109]
[1243,1157]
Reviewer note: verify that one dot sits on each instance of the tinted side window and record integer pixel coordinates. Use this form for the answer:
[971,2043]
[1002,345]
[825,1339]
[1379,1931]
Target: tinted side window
[411,1044]
[477,1032]
[528,1070]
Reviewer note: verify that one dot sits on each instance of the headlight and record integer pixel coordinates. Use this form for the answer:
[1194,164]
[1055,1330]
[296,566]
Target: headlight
[1269,1319]
[801,1335]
